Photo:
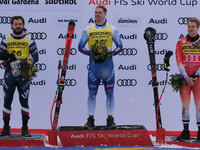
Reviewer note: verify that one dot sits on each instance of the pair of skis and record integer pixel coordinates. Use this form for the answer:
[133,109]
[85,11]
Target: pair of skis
[149,36]
[62,68]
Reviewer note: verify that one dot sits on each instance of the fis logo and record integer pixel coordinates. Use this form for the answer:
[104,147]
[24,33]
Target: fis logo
[132,2]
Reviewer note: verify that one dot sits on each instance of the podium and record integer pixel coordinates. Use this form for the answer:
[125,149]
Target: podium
[16,140]
[125,135]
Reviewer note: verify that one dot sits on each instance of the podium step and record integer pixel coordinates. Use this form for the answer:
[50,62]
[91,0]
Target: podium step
[15,140]
[192,142]
[126,135]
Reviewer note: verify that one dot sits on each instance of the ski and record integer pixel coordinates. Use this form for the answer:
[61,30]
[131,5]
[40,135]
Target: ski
[61,77]
[149,36]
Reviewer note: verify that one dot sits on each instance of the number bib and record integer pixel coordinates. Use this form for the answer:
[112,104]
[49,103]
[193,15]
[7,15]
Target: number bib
[191,54]
[103,36]
[19,47]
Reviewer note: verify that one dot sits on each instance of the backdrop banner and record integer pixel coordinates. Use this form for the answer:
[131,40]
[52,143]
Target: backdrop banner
[46,21]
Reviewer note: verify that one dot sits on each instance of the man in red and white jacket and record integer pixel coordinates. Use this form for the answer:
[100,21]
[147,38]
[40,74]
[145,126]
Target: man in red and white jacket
[188,61]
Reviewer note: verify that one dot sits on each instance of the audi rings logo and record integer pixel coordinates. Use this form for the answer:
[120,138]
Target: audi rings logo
[126,82]
[128,52]
[41,66]
[183,20]
[70,82]
[159,67]
[161,36]
[1,82]
[191,58]
[5,19]
[61,51]
[38,35]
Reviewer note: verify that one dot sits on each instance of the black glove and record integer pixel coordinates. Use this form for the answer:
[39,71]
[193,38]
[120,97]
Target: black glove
[195,75]
[4,55]
[11,57]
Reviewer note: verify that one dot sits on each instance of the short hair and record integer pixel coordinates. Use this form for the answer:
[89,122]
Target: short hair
[193,19]
[102,7]
[17,18]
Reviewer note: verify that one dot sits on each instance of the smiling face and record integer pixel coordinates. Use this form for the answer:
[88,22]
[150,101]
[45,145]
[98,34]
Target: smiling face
[193,29]
[99,15]
[17,26]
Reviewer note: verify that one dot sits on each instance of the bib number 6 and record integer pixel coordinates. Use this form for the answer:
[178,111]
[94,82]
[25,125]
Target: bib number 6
[18,53]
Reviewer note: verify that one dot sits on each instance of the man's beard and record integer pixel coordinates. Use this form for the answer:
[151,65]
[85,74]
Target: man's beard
[18,32]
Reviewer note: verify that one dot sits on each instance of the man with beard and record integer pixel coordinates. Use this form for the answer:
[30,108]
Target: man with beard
[15,46]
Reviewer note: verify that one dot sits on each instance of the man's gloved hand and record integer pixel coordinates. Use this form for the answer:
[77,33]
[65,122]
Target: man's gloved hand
[195,75]
[4,55]
[11,57]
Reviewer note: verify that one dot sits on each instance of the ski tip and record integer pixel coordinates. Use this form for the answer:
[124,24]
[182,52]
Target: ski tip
[72,23]
[149,32]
